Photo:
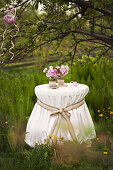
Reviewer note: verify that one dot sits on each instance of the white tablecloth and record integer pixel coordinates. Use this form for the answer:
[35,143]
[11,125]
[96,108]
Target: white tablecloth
[40,123]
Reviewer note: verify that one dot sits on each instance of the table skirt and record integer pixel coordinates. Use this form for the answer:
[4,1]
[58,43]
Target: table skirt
[40,125]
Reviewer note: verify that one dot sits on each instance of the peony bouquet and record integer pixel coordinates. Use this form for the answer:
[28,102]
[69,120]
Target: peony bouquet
[56,72]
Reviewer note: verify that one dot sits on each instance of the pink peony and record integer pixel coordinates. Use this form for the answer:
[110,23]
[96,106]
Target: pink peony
[63,71]
[52,72]
[50,67]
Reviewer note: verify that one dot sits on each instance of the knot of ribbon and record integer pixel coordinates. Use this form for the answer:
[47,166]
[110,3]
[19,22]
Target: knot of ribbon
[61,111]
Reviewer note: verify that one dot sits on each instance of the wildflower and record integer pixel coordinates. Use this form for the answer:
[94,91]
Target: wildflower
[101,115]
[105,153]
[108,108]
[61,138]
[45,143]
[55,137]
[111,112]
[98,111]
[97,139]
[36,143]
[6,122]
[50,136]
[45,140]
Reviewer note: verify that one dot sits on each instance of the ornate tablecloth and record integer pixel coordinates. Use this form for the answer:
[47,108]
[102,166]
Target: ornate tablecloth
[41,122]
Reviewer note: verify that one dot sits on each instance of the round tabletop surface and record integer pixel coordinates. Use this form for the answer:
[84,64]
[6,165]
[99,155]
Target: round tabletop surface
[69,89]
[62,96]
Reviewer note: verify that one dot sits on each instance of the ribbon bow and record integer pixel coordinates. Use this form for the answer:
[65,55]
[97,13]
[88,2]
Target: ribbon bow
[63,112]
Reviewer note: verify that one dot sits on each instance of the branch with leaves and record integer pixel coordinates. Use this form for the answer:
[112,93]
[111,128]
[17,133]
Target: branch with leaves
[87,21]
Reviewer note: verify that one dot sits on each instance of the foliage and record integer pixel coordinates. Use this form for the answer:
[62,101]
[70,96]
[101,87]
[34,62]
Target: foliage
[79,21]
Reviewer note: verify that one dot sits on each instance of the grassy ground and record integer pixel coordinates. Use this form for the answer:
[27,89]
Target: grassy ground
[17,99]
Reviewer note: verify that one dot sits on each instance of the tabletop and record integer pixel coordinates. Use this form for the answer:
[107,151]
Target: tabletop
[61,96]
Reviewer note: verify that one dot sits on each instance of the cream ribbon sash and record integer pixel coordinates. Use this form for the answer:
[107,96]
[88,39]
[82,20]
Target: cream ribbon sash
[63,112]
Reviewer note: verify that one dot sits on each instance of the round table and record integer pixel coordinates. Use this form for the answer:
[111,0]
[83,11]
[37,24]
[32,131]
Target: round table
[41,123]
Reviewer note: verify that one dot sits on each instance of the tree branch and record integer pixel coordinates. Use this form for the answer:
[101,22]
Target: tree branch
[89,4]
[105,38]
